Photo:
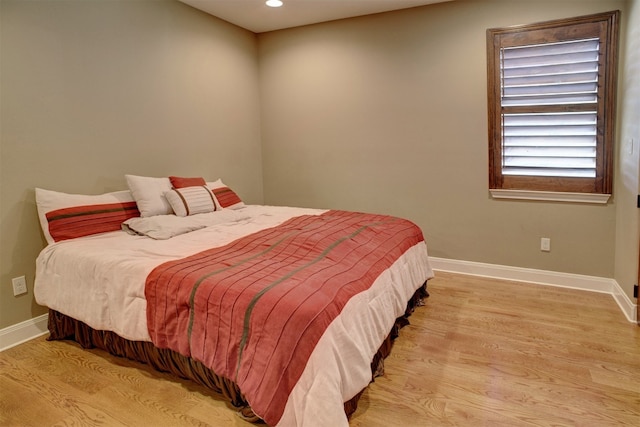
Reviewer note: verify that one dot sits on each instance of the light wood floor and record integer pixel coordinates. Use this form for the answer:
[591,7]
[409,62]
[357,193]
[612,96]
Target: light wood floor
[481,353]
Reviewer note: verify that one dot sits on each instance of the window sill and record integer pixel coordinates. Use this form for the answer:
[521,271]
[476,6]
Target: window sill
[550,196]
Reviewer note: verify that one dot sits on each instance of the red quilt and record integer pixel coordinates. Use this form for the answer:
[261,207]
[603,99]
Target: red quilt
[253,310]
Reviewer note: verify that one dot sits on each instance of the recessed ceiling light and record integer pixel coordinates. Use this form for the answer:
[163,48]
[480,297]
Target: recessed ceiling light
[274,3]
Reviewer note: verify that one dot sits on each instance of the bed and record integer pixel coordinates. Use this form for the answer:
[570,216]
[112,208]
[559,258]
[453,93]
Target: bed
[288,312]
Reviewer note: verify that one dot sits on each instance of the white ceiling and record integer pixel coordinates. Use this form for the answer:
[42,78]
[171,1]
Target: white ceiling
[256,16]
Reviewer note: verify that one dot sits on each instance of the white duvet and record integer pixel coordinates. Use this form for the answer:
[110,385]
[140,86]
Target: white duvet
[100,280]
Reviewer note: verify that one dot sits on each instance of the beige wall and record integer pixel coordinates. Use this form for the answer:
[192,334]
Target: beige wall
[92,90]
[388,113]
[628,155]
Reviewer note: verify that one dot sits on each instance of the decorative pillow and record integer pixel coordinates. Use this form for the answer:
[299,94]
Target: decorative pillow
[148,193]
[180,182]
[66,216]
[226,197]
[191,200]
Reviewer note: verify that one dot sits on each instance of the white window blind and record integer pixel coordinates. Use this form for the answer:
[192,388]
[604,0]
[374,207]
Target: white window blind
[550,144]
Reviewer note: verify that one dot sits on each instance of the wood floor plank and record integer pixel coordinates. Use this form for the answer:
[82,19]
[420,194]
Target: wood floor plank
[45,388]
[515,354]
[18,407]
[481,352]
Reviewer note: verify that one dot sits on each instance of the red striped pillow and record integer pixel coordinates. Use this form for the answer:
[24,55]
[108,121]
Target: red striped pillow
[180,182]
[226,197]
[66,216]
[80,221]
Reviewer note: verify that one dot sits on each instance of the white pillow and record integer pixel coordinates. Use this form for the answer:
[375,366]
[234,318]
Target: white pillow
[225,196]
[149,194]
[191,200]
[66,216]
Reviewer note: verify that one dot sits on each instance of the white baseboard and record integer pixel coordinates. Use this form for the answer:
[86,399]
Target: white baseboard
[23,331]
[541,277]
[629,309]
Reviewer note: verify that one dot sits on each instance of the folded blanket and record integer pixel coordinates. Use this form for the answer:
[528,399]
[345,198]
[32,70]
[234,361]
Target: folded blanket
[162,227]
[255,309]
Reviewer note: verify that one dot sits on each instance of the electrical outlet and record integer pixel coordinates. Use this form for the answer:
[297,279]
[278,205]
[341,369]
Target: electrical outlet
[19,285]
[545,244]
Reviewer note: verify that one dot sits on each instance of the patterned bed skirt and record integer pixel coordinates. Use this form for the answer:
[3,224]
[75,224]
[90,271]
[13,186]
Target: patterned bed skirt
[62,327]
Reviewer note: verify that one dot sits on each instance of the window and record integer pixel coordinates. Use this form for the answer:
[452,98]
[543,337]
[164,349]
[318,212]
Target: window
[551,90]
